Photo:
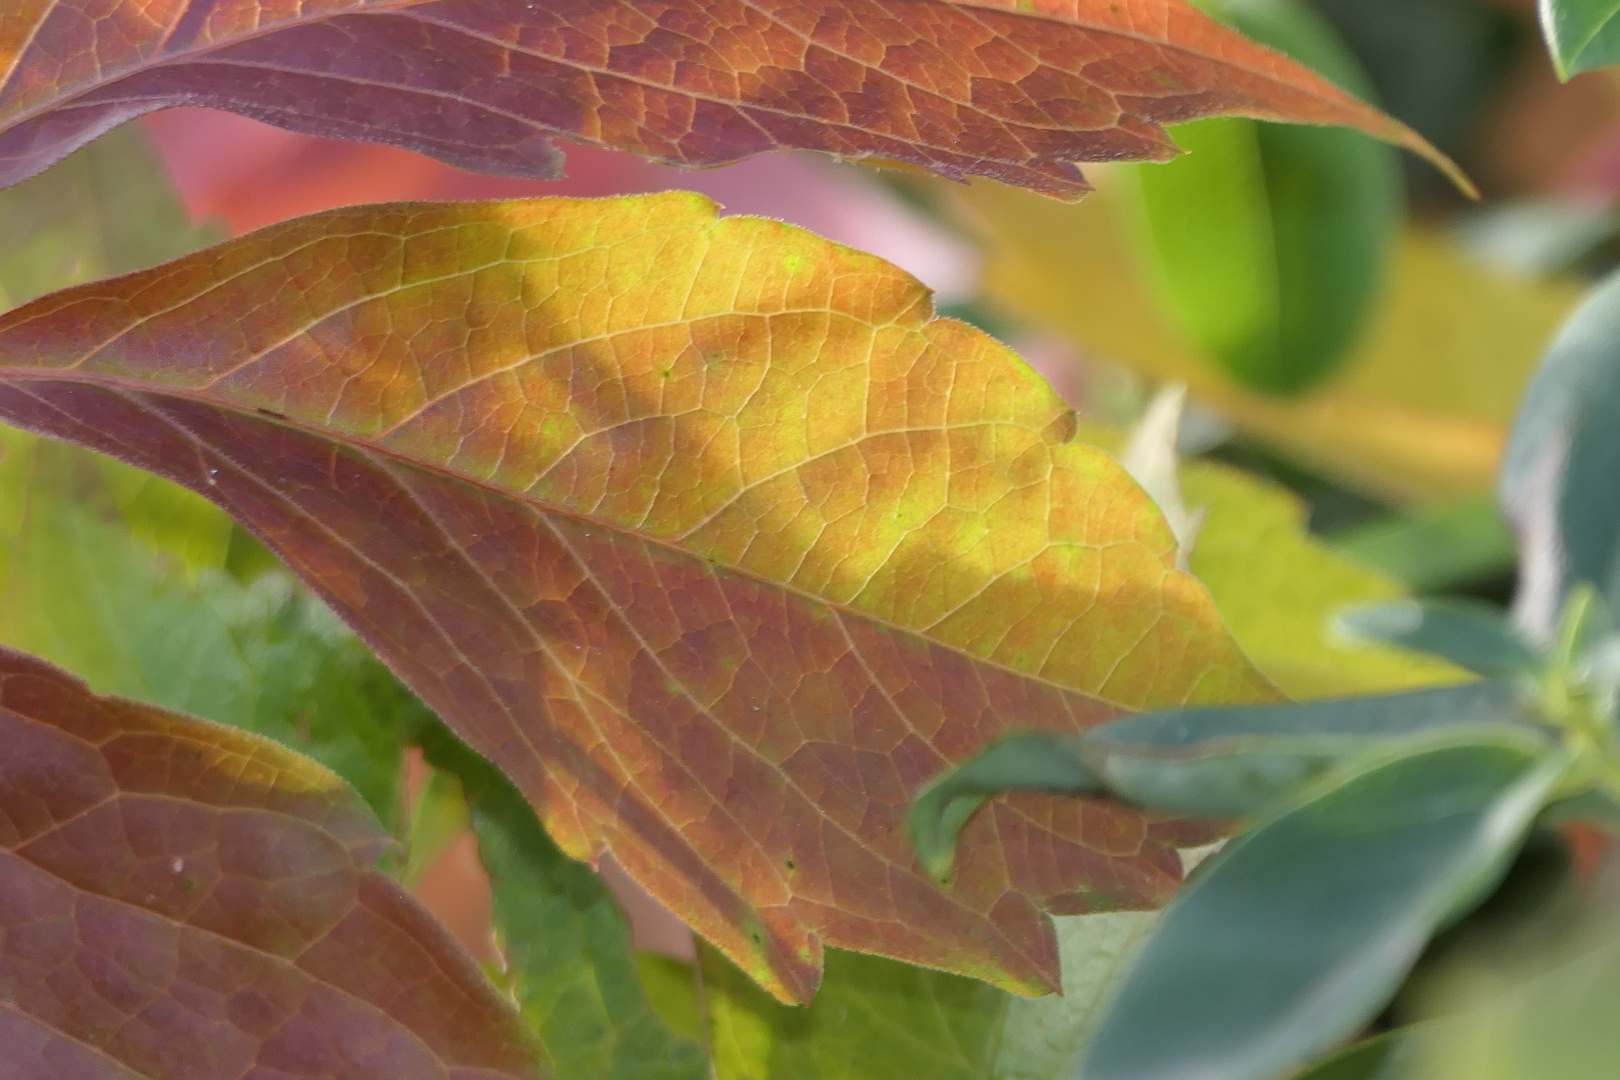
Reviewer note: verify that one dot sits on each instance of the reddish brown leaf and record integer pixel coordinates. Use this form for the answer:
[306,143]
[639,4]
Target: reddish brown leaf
[185,901]
[702,529]
[1018,90]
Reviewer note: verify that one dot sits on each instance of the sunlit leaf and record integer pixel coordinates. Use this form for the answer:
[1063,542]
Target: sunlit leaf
[701,528]
[1581,34]
[185,898]
[120,575]
[1563,464]
[1299,933]
[1278,588]
[1012,89]
[1267,244]
[1422,407]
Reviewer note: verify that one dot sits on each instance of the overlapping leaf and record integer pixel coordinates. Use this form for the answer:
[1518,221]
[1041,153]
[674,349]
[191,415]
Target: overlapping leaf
[701,529]
[183,899]
[1004,88]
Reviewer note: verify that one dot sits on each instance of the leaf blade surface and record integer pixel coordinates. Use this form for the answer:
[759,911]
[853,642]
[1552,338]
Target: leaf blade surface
[1303,928]
[183,895]
[702,529]
[1018,91]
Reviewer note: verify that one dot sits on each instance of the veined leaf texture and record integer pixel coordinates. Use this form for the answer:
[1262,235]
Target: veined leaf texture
[1017,90]
[183,899]
[702,529]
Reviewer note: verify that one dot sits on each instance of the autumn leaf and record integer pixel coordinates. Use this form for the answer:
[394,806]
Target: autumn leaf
[1018,90]
[185,898]
[702,529]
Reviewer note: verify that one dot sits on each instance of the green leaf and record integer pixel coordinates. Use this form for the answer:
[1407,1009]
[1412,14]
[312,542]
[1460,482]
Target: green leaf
[107,209]
[1234,760]
[78,588]
[1470,634]
[1301,930]
[1268,242]
[566,942]
[1387,1057]
[877,1019]
[1581,34]
[1559,479]
[1046,1038]
[1277,587]
[872,1019]
[1555,1023]
[1436,547]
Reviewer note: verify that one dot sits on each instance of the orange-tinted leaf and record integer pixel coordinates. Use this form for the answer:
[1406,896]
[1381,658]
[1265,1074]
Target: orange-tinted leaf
[1018,90]
[702,529]
[179,899]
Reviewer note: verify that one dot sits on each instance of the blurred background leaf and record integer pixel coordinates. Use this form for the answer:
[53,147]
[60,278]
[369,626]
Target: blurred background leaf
[1267,243]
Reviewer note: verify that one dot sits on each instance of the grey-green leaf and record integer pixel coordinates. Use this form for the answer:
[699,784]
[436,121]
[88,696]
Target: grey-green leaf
[1561,477]
[1226,761]
[1300,931]
[1471,634]
[1435,548]
[1581,34]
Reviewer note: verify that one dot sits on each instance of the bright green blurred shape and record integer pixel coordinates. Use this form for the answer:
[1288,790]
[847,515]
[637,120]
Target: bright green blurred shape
[1268,243]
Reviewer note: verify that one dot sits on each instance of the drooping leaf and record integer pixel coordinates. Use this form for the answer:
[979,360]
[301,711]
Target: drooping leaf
[1235,760]
[1211,762]
[700,528]
[1420,410]
[565,941]
[1562,465]
[185,898]
[1581,34]
[1300,932]
[1267,244]
[1472,635]
[1011,89]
